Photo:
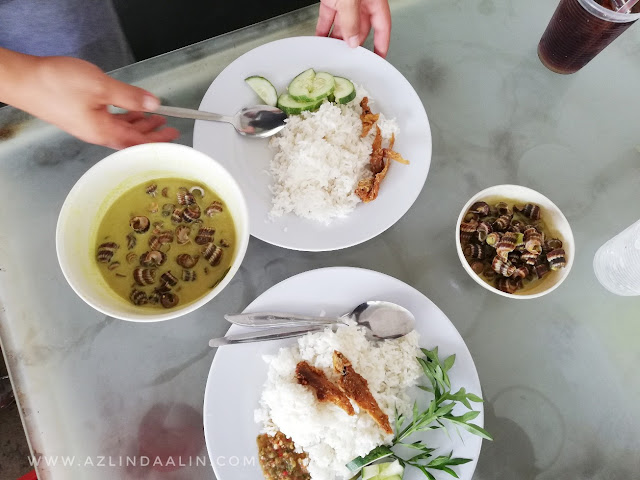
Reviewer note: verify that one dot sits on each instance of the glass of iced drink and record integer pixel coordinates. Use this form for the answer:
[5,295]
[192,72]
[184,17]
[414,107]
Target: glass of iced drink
[579,30]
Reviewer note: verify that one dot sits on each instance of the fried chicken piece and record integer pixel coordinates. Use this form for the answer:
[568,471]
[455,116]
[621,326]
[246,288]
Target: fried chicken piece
[368,188]
[367,117]
[376,160]
[357,389]
[388,153]
[324,389]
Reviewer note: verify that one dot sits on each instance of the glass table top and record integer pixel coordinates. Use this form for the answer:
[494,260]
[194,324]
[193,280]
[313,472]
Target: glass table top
[558,373]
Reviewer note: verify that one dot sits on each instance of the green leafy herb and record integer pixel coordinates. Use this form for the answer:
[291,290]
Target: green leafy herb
[437,414]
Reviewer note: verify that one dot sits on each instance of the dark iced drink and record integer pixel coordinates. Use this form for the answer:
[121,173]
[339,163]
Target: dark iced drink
[578,31]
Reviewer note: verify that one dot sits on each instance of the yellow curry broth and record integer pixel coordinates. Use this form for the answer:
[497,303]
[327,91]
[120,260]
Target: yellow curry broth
[118,271]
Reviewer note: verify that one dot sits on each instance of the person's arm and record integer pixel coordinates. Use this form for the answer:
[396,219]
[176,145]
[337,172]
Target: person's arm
[353,19]
[74,95]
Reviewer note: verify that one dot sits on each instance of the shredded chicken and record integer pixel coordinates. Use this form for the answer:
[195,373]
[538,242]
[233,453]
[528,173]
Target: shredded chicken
[357,389]
[324,389]
[367,118]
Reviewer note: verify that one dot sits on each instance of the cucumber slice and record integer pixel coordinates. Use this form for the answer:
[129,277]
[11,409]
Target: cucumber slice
[344,91]
[390,469]
[370,471]
[392,477]
[311,86]
[301,85]
[293,107]
[264,88]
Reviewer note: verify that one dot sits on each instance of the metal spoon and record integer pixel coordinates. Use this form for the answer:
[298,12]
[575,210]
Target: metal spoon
[259,121]
[383,320]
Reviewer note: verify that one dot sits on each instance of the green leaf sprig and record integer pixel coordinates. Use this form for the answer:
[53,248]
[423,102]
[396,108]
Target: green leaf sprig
[435,416]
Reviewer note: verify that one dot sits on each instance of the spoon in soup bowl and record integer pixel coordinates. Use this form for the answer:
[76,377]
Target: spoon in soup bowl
[383,320]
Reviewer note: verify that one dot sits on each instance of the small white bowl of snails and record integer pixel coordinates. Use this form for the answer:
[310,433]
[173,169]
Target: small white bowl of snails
[152,232]
[514,241]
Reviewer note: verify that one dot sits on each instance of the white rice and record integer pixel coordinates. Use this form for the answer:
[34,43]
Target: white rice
[320,158]
[324,431]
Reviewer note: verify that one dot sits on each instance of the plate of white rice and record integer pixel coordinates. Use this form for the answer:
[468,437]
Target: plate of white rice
[251,388]
[300,184]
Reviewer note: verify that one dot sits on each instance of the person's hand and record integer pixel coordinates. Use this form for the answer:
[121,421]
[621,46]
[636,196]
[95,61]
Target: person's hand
[74,95]
[352,20]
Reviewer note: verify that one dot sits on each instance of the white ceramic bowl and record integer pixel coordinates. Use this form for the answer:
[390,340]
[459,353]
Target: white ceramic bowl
[102,184]
[557,224]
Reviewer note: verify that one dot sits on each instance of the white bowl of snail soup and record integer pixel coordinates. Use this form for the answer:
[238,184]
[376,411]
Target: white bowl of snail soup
[514,241]
[152,232]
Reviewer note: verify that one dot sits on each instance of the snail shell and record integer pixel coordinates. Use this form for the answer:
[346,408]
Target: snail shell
[169,299]
[106,251]
[521,272]
[153,258]
[140,224]
[481,208]
[473,250]
[165,192]
[506,245]
[529,258]
[556,259]
[156,242]
[488,272]
[503,268]
[131,257]
[503,209]
[552,244]
[517,226]
[131,241]
[185,197]
[176,215]
[531,211]
[465,237]
[153,207]
[213,209]
[144,276]
[187,261]
[477,267]
[151,189]
[502,223]
[189,275]
[541,270]
[469,227]
[157,227]
[154,298]
[169,278]
[182,234]
[205,235]
[533,240]
[167,209]
[493,239]
[191,213]
[200,191]
[224,243]
[484,229]
[507,285]
[163,288]
[113,265]
[138,297]
[212,254]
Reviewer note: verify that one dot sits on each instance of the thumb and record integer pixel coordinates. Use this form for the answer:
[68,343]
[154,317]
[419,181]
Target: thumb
[349,15]
[123,95]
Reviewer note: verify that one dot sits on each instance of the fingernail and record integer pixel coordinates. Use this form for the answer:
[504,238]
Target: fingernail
[354,41]
[150,103]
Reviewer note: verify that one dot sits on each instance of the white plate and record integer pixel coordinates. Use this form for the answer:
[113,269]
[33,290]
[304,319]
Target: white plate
[247,159]
[238,372]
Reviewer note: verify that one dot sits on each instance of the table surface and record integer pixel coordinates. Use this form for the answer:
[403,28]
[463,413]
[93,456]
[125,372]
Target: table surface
[552,369]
